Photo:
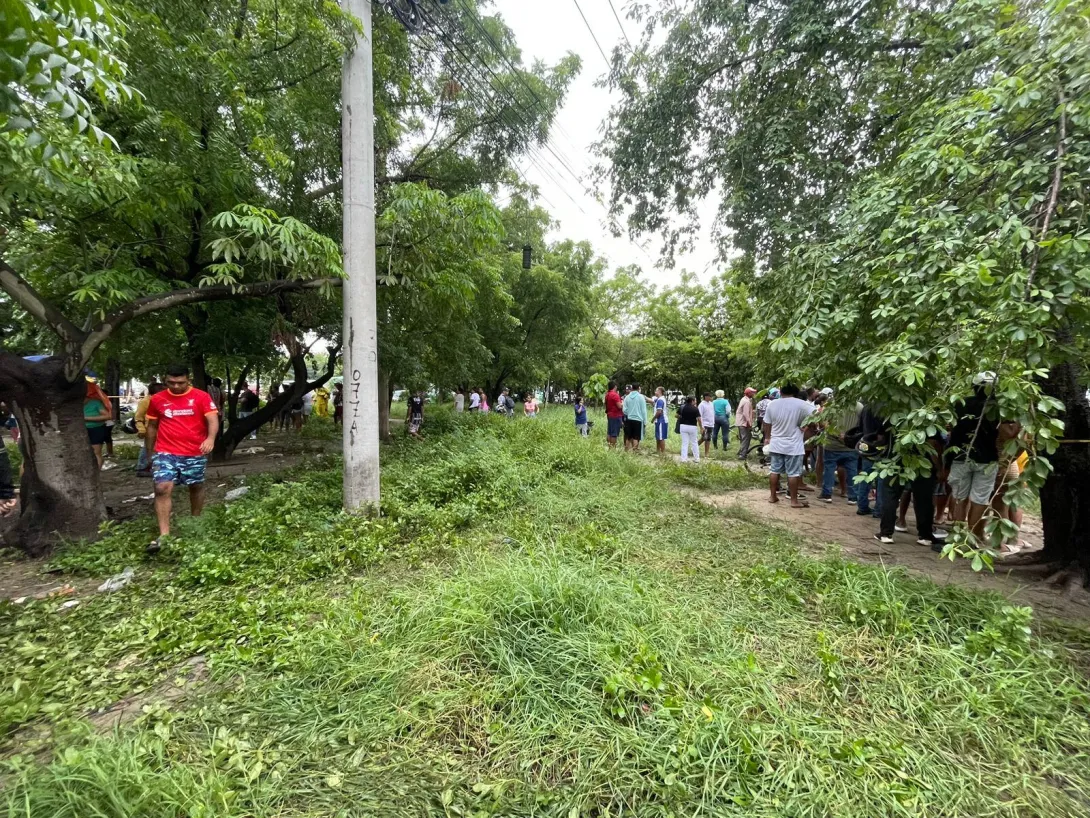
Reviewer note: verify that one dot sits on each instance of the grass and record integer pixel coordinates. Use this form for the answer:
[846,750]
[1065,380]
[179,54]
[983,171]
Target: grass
[537,627]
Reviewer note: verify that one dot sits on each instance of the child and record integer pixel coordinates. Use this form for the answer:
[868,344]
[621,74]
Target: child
[581,418]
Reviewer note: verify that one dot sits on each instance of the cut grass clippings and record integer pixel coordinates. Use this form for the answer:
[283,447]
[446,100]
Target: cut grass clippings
[541,627]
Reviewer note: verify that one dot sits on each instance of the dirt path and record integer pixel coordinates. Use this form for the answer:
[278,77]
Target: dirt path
[823,524]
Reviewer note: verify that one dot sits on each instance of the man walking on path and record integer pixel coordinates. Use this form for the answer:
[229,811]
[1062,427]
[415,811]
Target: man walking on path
[743,419]
[783,436]
[722,419]
[635,412]
[182,426]
[614,414]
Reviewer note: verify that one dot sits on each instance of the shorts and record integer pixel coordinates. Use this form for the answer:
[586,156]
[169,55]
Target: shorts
[414,424]
[633,429]
[973,481]
[662,429]
[98,434]
[179,469]
[613,427]
[789,464]
[708,432]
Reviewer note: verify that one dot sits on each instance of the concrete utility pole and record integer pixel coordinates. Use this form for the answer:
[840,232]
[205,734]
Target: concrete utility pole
[361,427]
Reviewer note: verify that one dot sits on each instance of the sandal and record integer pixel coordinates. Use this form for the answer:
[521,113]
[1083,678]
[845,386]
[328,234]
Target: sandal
[154,547]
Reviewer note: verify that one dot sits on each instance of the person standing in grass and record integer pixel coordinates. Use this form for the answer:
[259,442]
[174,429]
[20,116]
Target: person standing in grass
[783,436]
[635,412]
[689,426]
[529,406]
[614,414]
[483,405]
[414,418]
[661,421]
[182,425]
[581,418]
[474,400]
[143,461]
[707,422]
[248,403]
[743,419]
[722,419]
[96,411]
[459,401]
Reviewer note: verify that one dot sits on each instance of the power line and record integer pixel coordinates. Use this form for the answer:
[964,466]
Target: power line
[478,23]
[526,118]
[620,25]
[594,36]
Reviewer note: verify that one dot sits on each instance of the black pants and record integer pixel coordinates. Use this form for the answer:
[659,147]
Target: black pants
[923,503]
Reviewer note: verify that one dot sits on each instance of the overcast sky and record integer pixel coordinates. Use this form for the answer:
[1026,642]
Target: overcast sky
[549,29]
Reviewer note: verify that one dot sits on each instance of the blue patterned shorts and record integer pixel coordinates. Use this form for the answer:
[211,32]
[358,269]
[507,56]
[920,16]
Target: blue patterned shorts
[178,469]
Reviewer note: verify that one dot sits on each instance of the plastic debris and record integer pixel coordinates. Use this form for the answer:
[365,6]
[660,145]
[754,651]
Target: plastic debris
[117,581]
[70,603]
[235,494]
[253,450]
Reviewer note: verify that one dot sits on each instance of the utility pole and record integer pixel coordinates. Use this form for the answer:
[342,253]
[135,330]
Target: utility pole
[360,343]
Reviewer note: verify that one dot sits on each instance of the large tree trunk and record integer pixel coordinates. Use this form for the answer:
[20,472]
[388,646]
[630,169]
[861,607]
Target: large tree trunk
[60,491]
[1065,507]
[113,386]
[385,399]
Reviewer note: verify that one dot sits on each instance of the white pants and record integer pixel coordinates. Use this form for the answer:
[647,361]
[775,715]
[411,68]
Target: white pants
[690,438]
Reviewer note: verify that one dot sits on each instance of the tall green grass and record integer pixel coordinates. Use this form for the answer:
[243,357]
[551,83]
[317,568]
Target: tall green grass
[539,627]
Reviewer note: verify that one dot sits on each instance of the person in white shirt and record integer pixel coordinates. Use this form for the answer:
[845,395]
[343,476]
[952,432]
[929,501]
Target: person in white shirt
[459,400]
[474,400]
[707,421]
[785,442]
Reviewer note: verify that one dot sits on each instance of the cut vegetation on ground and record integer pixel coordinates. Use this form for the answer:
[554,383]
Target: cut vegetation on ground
[536,627]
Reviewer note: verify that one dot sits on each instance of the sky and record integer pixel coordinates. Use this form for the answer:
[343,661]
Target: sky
[548,30]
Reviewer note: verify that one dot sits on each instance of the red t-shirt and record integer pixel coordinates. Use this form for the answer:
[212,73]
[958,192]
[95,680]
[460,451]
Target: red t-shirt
[182,424]
[613,404]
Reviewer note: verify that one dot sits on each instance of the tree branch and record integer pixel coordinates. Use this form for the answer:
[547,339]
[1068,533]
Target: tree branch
[1053,196]
[192,295]
[30,300]
[283,86]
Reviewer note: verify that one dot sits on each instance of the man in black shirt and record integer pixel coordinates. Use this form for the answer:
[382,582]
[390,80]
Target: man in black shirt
[974,442]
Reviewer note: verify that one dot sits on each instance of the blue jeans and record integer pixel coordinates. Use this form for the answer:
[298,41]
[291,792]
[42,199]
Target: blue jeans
[724,424]
[833,460]
[142,461]
[862,491]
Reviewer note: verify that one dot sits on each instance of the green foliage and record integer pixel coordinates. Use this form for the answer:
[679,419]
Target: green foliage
[536,627]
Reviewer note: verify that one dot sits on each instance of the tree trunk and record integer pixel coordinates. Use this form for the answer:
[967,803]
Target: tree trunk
[385,398]
[1065,508]
[60,491]
[113,386]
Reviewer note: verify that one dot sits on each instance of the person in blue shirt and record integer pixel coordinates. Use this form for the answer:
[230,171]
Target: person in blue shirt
[662,422]
[722,419]
[581,418]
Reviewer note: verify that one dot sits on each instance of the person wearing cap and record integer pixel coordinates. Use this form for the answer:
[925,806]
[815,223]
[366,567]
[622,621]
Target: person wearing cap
[723,411]
[707,421]
[743,419]
[974,441]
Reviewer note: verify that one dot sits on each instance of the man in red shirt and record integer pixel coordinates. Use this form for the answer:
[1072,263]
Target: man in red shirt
[614,414]
[182,423]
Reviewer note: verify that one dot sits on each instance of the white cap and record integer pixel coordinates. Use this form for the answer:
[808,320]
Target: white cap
[828,390]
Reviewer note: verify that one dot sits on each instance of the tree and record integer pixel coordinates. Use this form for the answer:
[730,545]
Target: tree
[970,252]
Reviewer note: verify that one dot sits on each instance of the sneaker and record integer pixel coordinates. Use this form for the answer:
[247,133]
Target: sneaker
[828,500]
[884,540]
[940,533]
[902,528]
[922,541]
[862,512]
[937,547]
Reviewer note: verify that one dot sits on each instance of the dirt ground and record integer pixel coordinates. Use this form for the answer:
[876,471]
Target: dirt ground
[837,524]
[128,496]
